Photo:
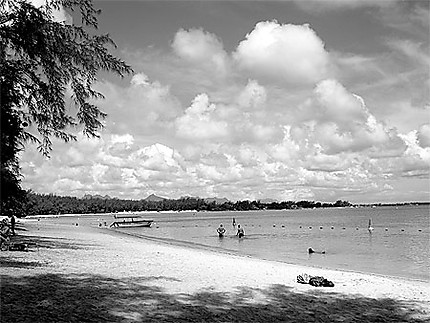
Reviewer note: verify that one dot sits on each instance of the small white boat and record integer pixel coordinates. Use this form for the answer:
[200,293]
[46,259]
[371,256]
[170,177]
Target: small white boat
[130,221]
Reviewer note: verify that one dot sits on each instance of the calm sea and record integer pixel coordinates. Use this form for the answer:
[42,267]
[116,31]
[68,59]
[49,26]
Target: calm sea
[399,245]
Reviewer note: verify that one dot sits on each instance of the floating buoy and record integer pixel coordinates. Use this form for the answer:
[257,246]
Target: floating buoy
[419,230]
[386,229]
[300,227]
[343,228]
[403,230]
[283,226]
[356,228]
[310,228]
[274,225]
[321,228]
[332,228]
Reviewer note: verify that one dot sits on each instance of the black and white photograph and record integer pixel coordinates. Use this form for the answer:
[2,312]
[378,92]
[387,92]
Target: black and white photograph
[215,161]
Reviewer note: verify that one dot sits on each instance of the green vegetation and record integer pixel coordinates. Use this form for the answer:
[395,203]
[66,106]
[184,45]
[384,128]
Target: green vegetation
[52,204]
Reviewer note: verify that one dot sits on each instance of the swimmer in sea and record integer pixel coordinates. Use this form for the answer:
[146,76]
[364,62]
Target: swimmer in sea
[240,232]
[221,231]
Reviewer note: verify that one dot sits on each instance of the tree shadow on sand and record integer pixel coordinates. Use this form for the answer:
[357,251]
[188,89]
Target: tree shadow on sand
[84,298]
[35,242]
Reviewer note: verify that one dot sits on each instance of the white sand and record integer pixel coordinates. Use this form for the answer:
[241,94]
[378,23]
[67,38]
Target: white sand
[180,270]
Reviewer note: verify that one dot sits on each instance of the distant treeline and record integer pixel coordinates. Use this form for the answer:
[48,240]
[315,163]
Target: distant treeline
[38,204]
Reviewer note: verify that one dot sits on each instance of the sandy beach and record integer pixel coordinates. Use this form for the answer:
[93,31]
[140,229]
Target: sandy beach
[90,274]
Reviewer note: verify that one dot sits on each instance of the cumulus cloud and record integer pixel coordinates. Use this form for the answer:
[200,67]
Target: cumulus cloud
[199,46]
[144,107]
[243,137]
[283,52]
[423,136]
[200,121]
[339,121]
[253,96]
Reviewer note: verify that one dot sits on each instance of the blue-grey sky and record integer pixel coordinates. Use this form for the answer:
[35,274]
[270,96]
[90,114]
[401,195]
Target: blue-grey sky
[318,100]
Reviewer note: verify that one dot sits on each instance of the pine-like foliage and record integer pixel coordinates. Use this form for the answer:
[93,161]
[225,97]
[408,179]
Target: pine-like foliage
[47,67]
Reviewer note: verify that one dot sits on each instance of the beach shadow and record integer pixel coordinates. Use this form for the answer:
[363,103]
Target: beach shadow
[35,242]
[8,262]
[86,298]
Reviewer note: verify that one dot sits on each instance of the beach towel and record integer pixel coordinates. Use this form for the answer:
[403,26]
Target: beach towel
[317,281]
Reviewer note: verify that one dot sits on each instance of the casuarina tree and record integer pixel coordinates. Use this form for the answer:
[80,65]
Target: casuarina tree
[46,65]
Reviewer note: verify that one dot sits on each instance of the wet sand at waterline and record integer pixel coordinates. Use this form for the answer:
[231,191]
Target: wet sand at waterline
[90,274]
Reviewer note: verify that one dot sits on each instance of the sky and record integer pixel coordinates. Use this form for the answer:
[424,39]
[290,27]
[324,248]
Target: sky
[255,100]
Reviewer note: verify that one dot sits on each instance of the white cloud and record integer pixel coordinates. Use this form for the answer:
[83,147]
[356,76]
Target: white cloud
[287,53]
[143,108]
[253,96]
[339,121]
[247,135]
[417,53]
[127,140]
[201,47]
[157,157]
[423,136]
[200,121]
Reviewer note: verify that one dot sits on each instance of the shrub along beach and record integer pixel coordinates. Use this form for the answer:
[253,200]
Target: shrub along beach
[86,273]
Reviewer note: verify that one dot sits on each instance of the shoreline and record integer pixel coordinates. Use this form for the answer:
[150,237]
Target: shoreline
[66,259]
[195,246]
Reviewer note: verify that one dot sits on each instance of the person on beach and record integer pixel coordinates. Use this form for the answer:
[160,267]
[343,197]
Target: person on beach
[12,224]
[240,232]
[221,231]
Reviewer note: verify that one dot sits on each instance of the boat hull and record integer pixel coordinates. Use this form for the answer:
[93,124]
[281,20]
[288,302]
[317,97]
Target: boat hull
[131,224]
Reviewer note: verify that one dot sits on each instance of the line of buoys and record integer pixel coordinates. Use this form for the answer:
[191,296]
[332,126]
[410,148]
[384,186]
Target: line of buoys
[370,229]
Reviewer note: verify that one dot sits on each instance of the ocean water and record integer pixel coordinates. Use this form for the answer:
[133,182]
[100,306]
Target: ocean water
[399,245]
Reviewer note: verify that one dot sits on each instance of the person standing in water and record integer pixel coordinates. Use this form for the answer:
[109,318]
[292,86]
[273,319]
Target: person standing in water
[240,232]
[234,222]
[221,231]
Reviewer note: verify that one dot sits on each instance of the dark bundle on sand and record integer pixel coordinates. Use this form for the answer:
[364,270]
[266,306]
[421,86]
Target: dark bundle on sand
[317,281]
